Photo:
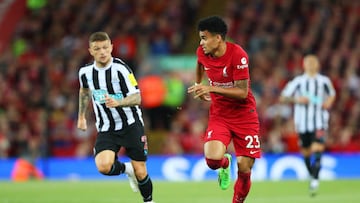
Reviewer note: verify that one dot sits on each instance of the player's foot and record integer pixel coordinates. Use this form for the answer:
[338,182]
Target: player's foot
[224,176]
[314,186]
[149,202]
[129,171]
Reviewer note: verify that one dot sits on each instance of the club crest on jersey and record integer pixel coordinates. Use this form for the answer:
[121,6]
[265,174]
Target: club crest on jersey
[224,72]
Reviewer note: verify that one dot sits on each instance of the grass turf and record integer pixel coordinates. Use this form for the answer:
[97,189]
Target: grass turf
[345,191]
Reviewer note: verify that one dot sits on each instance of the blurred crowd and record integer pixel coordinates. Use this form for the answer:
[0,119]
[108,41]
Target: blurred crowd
[39,72]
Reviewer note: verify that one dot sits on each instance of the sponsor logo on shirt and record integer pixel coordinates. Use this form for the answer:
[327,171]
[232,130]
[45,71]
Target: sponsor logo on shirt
[243,64]
[222,84]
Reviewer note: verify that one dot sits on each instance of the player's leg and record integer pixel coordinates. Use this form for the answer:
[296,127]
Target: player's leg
[137,149]
[317,149]
[247,148]
[107,164]
[144,181]
[214,151]
[216,139]
[305,145]
[105,155]
[216,158]
[243,182]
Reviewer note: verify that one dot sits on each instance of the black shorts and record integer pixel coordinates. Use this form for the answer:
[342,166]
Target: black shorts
[131,138]
[306,139]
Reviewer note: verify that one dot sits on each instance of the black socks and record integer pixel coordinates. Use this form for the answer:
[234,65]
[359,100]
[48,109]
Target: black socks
[146,188]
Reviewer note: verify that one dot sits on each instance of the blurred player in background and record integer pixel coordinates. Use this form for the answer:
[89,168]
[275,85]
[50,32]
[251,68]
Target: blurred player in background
[111,85]
[232,114]
[312,95]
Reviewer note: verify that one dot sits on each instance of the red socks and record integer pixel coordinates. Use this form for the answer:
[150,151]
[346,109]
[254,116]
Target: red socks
[215,164]
[242,187]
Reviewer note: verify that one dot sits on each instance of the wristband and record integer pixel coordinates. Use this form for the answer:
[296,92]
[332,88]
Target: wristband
[197,83]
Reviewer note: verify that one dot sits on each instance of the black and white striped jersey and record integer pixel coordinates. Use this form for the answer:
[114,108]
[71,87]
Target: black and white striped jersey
[310,117]
[118,81]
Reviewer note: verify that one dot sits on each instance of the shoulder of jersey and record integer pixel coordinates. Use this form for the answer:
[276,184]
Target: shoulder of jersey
[86,65]
[118,61]
[238,49]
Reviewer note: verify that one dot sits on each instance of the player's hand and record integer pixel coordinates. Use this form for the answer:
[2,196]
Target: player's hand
[200,91]
[111,102]
[326,105]
[302,100]
[81,124]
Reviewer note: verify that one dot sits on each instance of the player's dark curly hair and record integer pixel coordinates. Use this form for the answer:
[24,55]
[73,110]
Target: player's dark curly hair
[214,25]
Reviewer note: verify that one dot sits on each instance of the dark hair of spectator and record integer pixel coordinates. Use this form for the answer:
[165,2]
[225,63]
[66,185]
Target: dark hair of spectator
[214,25]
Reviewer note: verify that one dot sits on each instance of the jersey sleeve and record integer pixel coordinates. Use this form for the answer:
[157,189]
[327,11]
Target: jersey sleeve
[290,88]
[131,82]
[82,79]
[241,65]
[330,90]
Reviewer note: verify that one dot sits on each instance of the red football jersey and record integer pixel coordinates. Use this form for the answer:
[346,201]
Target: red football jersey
[222,72]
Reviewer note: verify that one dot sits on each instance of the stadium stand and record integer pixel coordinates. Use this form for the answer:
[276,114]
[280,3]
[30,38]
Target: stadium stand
[39,84]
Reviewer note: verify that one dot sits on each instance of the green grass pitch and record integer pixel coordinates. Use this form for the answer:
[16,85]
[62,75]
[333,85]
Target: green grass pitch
[344,191]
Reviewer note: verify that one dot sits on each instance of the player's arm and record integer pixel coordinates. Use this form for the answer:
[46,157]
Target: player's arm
[294,100]
[84,99]
[194,88]
[328,102]
[130,100]
[239,91]
[288,92]
[199,73]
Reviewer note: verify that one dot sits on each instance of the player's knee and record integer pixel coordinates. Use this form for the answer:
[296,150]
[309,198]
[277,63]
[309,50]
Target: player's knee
[104,168]
[245,164]
[140,172]
[213,164]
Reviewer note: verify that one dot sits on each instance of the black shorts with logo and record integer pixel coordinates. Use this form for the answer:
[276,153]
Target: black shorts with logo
[132,138]
[306,139]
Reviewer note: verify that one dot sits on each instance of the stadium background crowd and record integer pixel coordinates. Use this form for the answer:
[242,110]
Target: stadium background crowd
[39,69]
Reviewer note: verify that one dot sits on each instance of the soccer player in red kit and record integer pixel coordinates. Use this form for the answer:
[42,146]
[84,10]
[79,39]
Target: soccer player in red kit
[232,113]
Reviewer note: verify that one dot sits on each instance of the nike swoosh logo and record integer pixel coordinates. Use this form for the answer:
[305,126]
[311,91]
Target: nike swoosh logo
[254,152]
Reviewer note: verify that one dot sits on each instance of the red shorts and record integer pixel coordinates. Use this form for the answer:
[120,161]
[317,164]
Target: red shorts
[245,137]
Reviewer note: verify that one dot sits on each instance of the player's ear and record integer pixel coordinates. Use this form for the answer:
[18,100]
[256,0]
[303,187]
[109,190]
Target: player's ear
[90,51]
[218,37]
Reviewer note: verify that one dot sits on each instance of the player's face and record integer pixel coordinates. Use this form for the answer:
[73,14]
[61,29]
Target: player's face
[101,51]
[311,64]
[209,42]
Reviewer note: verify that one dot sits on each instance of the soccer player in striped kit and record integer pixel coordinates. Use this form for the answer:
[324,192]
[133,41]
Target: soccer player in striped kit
[232,114]
[312,95]
[115,95]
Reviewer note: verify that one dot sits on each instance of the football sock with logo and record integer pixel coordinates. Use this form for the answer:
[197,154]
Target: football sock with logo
[242,187]
[146,188]
[307,161]
[116,169]
[215,164]
[317,165]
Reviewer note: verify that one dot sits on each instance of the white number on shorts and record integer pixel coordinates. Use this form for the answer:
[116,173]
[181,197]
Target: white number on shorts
[253,141]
